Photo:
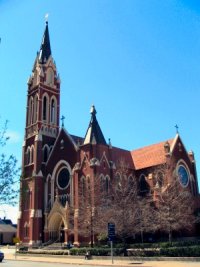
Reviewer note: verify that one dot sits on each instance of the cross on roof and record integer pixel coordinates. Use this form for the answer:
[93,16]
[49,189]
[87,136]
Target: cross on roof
[176,126]
[63,120]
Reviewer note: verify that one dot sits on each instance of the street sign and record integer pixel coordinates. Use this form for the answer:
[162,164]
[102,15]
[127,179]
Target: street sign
[111,231]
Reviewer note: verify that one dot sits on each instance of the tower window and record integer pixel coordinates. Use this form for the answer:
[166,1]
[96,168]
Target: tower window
[30,114]
[26,229]
[32,155]
[28,154]
[35,109]
[45,153]
[45,108]
[53,111]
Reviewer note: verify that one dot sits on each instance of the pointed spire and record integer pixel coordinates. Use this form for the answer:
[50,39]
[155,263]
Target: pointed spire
[94,134]
[45,49]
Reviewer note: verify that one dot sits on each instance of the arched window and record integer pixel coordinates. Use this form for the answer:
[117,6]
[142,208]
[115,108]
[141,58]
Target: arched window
[32,154]
[26,229]
[45,109]
[30,113]
[53,111]
[118,181]
[107,184]
[35,108]
[143,186]
[45,153]
[28,156]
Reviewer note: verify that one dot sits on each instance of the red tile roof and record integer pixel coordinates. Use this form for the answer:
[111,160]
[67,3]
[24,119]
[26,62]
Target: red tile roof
[150,155]
[119,154]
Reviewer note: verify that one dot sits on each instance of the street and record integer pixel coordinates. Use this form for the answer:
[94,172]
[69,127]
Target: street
[12,260]
[12,263]
[26,263]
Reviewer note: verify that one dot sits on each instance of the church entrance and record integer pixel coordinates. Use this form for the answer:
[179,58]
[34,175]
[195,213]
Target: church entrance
[56,228]
[58,224]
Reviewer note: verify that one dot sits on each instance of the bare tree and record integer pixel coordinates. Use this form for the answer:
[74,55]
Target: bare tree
[174,205]
[144,221]
[9,178]
[123,206]
[92,203]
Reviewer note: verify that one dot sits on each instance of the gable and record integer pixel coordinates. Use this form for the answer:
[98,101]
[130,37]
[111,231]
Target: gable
[64,149]
[179,151]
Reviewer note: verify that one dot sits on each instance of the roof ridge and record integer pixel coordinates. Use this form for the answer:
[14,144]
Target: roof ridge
[159,143]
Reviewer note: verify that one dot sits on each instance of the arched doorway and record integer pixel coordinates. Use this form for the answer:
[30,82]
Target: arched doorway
[56,228]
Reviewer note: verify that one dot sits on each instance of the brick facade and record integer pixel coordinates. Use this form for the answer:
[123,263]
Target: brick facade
[54,162]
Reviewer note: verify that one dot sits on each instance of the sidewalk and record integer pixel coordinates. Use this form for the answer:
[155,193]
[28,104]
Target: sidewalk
[126,262]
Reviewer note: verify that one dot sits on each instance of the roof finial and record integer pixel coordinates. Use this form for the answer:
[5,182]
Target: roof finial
[93,110]
[63,120]
[109,143]
[46,18]
[176,126]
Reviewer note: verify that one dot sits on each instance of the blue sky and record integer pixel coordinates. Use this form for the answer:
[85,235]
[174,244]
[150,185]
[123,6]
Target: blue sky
[137,61]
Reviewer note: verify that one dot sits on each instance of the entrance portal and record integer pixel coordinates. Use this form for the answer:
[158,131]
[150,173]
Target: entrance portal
[56,228]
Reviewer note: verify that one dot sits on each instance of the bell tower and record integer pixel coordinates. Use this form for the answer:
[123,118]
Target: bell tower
[43,93]
[42,127]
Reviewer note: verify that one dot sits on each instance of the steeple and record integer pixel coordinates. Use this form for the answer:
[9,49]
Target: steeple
[43,113]
[45,49]
[94,134]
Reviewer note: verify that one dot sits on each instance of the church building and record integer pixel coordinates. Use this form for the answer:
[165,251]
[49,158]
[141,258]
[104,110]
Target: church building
[55,163]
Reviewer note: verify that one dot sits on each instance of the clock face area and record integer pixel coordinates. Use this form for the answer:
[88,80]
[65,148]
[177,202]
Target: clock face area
[183,175]
[63,178]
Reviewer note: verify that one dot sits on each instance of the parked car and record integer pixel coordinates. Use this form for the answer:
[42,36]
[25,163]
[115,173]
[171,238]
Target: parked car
[1,256]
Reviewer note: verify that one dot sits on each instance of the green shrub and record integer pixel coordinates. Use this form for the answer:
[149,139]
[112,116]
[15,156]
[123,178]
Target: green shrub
[96,251]
[144,252]
[78,251]
[46,252]
[166,244]
[192,251]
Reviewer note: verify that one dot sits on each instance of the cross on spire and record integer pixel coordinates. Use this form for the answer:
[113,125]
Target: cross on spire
[63,120]
[176,126]
[46,17]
